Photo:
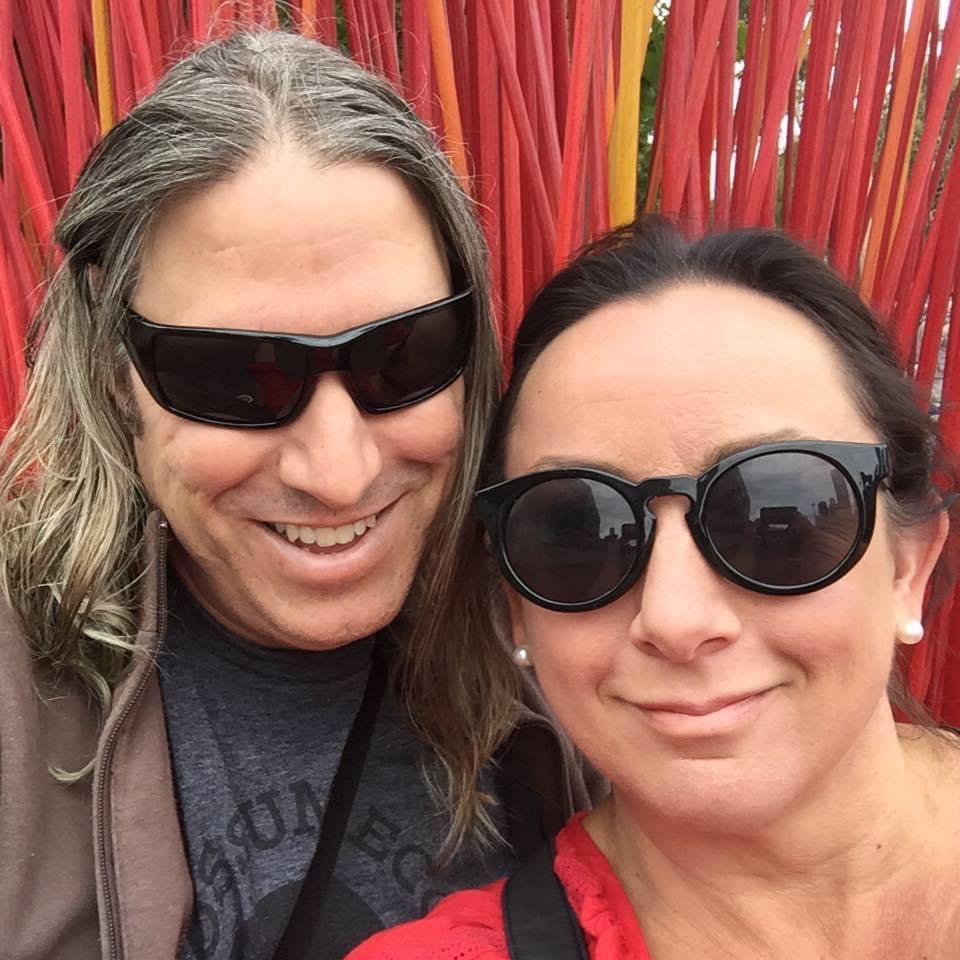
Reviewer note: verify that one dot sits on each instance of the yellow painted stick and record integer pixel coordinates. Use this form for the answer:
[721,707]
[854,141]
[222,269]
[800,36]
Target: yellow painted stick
[446,84]
[104,69]
[636,20]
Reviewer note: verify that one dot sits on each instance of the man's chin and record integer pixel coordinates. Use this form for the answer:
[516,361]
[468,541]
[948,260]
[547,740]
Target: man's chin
[312,627]
[319,630]
[332,639]
[295,615]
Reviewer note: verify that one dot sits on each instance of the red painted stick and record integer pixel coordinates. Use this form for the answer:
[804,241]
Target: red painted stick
[520,121]
[839,129]
[502,23]
[584,36]
[775,108]
[746,109]
[486,77]
[676,166]
[923,163]
[810,146]
[417,87]
[852,189]
[726,55]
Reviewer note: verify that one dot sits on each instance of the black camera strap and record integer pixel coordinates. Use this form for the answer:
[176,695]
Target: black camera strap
[301,929]
[540,923]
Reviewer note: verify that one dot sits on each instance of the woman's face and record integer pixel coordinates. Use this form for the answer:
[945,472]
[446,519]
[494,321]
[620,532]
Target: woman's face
[656,387]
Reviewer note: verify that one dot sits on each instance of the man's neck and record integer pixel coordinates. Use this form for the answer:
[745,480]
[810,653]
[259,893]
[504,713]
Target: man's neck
[824,877]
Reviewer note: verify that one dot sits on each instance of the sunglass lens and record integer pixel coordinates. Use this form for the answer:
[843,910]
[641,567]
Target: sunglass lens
[571,540]
[405,361]
[229,379]
[783,519]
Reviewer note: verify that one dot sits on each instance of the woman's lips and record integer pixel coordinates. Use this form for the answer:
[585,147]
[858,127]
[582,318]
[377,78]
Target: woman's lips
[707,718]
[701,708]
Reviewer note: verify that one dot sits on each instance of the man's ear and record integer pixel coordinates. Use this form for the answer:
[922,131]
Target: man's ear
[917,548]
[119,385]
[95,278]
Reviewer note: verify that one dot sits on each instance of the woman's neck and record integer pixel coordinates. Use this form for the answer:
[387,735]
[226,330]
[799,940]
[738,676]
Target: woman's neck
[825,876]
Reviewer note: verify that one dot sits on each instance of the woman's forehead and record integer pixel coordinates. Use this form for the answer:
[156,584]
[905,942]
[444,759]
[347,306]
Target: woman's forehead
[664,378]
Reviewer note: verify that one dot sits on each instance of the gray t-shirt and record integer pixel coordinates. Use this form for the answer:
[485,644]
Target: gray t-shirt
[256,736]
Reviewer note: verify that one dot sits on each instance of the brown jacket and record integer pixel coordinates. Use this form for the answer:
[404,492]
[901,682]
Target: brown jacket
[122,891]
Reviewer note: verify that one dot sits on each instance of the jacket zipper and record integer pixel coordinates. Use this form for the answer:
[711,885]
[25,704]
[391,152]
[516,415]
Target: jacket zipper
[110,897]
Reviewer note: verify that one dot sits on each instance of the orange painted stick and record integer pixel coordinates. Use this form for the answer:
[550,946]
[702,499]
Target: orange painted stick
[901,109]
[447,87]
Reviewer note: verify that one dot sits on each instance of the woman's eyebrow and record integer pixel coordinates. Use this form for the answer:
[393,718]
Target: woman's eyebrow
[576,463]
[714,455]
[731,447]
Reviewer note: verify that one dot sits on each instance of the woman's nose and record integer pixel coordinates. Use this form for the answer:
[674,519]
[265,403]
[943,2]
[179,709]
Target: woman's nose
[683,608]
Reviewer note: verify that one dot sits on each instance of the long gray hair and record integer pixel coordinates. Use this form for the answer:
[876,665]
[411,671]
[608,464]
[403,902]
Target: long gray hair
[72,508]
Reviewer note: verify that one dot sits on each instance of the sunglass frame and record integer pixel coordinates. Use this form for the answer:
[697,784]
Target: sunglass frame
[140,334]
[864,465]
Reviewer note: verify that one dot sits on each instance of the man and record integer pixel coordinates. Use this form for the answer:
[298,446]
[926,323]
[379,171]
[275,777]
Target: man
[260,382]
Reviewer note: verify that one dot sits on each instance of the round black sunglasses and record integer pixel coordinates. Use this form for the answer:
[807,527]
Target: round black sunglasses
[781,518]
[249,378]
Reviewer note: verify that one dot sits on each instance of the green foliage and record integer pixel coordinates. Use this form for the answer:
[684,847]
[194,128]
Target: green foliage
[285,16]
[649,83]
[343,40]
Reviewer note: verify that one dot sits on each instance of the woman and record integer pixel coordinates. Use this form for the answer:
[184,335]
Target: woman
[709,494]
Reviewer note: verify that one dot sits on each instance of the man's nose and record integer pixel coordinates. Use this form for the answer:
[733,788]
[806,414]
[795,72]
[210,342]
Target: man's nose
[683,607]
[330,451]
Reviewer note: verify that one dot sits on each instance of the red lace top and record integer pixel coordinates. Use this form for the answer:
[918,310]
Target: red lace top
[469,925]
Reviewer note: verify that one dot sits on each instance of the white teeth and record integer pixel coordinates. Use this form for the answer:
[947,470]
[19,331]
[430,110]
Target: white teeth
[326,536]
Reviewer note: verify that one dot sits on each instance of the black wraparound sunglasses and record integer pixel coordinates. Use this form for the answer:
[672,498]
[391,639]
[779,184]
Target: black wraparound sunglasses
[781,518]
[249,378]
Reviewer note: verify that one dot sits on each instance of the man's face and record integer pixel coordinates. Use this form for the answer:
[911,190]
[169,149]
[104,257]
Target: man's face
[289,247]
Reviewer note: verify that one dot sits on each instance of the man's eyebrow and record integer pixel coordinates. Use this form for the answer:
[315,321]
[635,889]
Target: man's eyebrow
[714,455]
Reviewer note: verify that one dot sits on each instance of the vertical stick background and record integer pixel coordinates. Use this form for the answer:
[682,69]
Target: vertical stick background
[840,128]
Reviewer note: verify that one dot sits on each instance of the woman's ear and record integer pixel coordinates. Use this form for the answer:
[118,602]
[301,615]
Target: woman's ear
[515,606]
[917,548]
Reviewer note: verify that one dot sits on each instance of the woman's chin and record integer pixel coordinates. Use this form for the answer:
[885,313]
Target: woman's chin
[721,797]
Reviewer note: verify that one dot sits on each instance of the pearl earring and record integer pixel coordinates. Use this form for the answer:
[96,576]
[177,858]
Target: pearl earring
[910,632]
[521,656]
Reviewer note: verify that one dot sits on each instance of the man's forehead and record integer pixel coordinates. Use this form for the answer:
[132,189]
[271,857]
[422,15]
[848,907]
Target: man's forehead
[337,247]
